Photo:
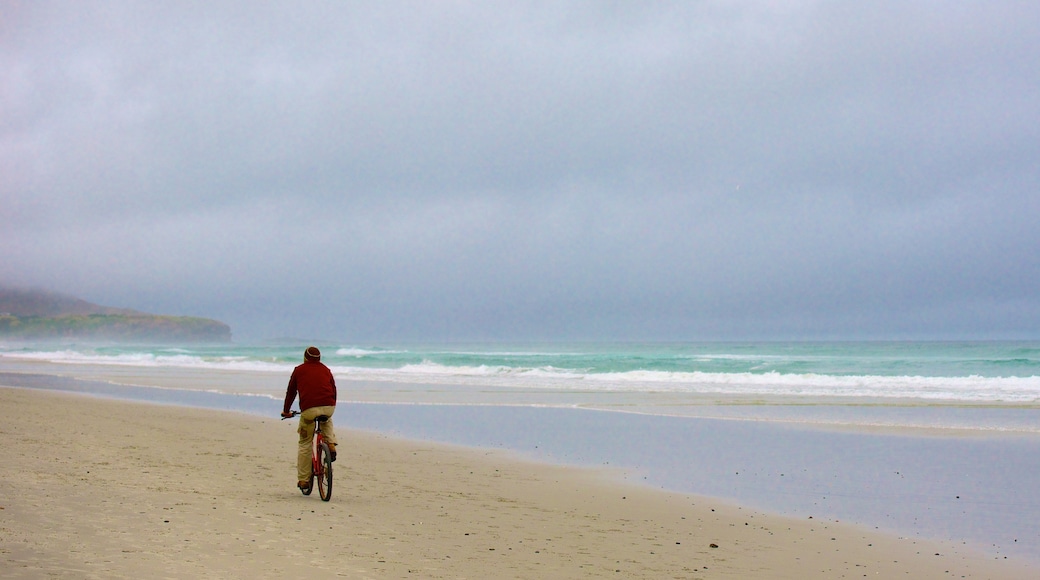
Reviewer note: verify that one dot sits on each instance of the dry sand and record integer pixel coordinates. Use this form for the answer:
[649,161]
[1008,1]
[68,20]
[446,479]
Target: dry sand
[94,488]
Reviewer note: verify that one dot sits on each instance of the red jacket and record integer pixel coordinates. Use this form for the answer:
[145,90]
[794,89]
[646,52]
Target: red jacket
[313,381]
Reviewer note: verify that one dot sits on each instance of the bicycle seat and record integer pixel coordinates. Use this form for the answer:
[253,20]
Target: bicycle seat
[322,418]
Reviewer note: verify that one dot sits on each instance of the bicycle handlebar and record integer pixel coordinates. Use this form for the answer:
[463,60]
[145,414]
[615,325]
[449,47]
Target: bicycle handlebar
[293,413]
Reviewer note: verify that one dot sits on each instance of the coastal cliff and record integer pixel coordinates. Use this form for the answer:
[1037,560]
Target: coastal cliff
[42,315]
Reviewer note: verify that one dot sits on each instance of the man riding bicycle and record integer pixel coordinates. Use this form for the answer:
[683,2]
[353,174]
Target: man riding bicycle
[317,389]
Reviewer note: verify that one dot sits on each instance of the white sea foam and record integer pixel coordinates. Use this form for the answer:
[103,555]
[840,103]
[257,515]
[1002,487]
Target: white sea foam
[358,352]
[971,388]
[961,388]
[145,359]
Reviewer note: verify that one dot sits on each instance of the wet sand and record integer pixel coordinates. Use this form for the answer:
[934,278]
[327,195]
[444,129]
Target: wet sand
[112,489]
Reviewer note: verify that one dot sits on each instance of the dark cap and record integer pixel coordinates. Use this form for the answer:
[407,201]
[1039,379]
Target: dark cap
[312,353]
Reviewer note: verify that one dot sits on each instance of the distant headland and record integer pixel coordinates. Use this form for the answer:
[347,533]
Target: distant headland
[40,315]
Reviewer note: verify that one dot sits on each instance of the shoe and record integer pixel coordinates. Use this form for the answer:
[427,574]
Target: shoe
[303,484]
[332,451]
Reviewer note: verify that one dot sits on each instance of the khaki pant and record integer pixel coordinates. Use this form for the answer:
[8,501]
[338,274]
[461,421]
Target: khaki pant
[306,431]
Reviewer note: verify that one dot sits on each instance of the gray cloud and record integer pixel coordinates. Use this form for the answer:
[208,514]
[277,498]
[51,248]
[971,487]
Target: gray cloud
[622,170]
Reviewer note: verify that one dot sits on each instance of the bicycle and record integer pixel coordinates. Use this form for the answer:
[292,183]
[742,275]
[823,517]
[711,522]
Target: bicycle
[321,460]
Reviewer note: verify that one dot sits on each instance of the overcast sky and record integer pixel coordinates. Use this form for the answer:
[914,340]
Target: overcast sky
[367,171]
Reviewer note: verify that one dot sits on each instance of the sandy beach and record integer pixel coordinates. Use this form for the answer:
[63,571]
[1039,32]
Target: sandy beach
[97,488]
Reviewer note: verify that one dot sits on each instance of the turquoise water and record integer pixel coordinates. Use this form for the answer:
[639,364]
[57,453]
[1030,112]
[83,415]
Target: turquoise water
[955,371]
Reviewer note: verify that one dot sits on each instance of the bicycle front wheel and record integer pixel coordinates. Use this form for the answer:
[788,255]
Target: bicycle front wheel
[325,472]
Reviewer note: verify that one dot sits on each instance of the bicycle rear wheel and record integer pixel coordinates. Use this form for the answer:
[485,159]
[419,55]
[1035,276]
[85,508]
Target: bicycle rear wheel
[325,472]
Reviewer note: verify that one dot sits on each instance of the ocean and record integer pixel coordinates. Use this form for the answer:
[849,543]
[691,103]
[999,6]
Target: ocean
[962,385]
[968,372]
[935,440]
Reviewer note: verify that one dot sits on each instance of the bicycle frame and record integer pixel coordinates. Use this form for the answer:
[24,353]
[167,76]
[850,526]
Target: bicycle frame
[316,441]
[321,462]
[321,456]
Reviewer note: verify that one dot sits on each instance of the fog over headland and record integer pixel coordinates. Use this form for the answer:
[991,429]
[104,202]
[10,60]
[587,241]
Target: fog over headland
[422,170]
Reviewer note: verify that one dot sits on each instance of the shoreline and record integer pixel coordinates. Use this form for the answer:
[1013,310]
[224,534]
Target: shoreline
[867,414]
[208,492]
